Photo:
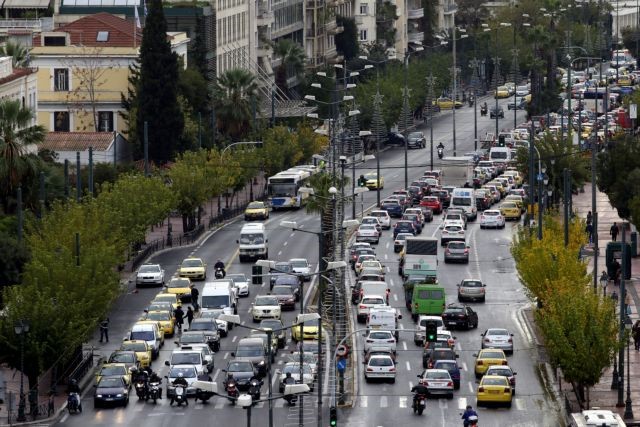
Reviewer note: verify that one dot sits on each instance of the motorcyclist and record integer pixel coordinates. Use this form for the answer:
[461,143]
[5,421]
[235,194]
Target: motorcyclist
[441,145]
[155,379]
[468,413]
[180,381]
[74,392]
[220,265]
[291,398]
[419,389]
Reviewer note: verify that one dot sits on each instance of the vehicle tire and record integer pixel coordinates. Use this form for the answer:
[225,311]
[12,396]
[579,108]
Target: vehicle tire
[481,227]
[509,404]
[367,379]
[450,396]
[483,299]
[420,409]
[467,325]
[425,364]
[393,381]
[254,320]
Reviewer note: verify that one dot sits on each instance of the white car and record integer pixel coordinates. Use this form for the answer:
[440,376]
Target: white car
[294,369]
[492,218]
[372,220]
[365,305]
[368,233]
[450,233]
[437,381]
[240,282]
[418,337]
[381,339]
[150,274]
[383,218]
[302,267]
[223,325]
[498,338]
[522,91]
[380,366]
[265,307]
[416,211]
[398,242]
[453,219]
[188,372]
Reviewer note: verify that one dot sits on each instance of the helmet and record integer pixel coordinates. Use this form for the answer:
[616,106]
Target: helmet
[288,375]
[469,407]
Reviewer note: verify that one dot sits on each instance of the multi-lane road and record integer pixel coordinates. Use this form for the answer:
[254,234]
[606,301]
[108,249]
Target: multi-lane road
[374,404]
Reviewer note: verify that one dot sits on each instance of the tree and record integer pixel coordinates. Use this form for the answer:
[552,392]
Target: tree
[129,104]
[234,93]
[18,53]
[347,40]
[280,150]
[157,95]
[17,133]
[471,13]
[386,16]
[189,177]
[292,58]
[13,255]
[310,143]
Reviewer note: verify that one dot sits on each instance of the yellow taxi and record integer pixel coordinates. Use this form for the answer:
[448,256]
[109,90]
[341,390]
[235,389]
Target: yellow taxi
[309,331]
[446,103]
[372,181]
[165,321]
[586,131]
[494,389]
[155,323]
[624,80]
[114,370]
[166,297]
[510,210]
[256,210]
[142,350]
[499,187]
[488,357]
[193,268]
[501,92]
[180,287]
[516,199]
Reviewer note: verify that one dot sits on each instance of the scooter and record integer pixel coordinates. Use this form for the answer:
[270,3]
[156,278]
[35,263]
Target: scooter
[154,392]
[483,110]
[232,390]
[141,389]
[73,402]
[471,100]
[290,398]
[472,421]
[219,273]
[440,153]
[419,403]
[180,395]
[254,388]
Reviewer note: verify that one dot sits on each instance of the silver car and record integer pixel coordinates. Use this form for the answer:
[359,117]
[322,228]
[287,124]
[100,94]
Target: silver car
[498,338]
[456,252]
[437,381]
[471,290]
[150,274]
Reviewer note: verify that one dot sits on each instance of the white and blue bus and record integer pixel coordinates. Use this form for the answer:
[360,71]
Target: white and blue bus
[283,188]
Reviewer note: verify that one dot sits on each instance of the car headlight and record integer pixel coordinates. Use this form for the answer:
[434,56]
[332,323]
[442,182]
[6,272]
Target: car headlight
[99,395]
[261,363]
[119,395]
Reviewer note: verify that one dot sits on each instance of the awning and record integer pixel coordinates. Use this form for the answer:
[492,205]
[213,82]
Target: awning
[25,4]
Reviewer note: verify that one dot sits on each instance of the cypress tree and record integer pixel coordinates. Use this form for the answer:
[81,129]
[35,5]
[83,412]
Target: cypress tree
[158,90]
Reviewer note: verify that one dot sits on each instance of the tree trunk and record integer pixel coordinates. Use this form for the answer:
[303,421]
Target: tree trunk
[185,225]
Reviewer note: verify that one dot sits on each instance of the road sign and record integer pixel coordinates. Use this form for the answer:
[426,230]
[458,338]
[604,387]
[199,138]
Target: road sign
[341,365]
[341,350]
[633,111]
[540,177]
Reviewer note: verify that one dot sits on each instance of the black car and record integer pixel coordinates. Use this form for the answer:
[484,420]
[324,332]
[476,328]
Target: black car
[404,227]
[416,194]
[460,316]
[427,213]
[278,329]
[242,371]
[111,391]
[439,354]
[291,281]
[416,140]
[356,254]
[429,347]
[493,111]
[209,327]
[444,197]
[279,269]
[395,138]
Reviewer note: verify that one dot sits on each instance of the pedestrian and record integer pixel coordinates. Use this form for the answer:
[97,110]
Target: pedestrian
[635,332]
[179,315]
[615,267]
[589,217]
[614,232]
[189,316]
[194,297]
[627,303]
[589,231]
[104,329]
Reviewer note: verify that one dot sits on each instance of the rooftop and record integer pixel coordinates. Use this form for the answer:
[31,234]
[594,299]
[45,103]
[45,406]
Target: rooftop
[76,141]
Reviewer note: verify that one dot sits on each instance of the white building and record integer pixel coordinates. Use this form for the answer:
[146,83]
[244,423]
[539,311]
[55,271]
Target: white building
[446,14]
[365,16]
[20,84]
[66,145]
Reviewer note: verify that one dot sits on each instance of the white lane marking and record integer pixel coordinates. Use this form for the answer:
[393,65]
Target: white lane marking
[285,244]
[443,404]
[462,403]
[364,400]
[392,282]
[220,404]
[402,401]
[279,253]
[520,404]
[226,355]
[410,385]
[408,366]
[235,337]
[386,257]
[387,245]
[215,375]
[293,234]
[273,381]
[404,345]
[471,384]
[64,418]
[388,270]
[384,401]
[518,318]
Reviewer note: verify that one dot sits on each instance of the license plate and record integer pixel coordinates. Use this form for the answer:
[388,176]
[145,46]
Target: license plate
[452,323]
[493,391]
[108,398]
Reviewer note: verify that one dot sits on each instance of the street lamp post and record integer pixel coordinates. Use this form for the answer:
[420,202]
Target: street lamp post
[623,314]
[628,410]
[407,54]
[475,65]
[454,71]
[431,81]
[21,328]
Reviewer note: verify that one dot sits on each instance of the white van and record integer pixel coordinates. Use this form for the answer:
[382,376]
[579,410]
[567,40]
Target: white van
[384,318]
[500,154]
[219,295]
[253,242]
[596,418]
[149,332]
[465,199]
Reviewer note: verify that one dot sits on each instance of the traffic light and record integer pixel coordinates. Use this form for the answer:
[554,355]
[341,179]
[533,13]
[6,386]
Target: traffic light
[256,275]
[333,416]
[431,331]
[501,141]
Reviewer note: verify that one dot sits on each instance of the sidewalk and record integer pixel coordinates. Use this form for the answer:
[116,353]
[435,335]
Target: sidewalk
[212,215]
[601,395]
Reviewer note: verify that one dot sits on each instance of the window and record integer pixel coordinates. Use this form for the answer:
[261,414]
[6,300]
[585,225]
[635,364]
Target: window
[363,35]
[60,79]
[364,9]
[61,121]
[55,41]
[105,121]
[102,36]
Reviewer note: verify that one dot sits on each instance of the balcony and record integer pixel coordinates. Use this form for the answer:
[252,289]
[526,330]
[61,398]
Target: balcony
[10,25]
[265,17]
[315,4]
[333,28]
[417,37]
[450,9]
[416,13]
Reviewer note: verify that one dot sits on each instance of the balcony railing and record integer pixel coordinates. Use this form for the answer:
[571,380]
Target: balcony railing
[416,13]
[265,17]
[416,37]
[20,24]
[450,8]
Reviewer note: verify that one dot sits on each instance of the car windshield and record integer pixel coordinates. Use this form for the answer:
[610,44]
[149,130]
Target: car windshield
[149,269]
[453,229]
[281,290]
[455,310]
[266,300]
[158,316]
[497,332]
[499,371]
[249,351]
[491,213]
[176,372]
[415,135]
[179,283]
[272,324]
[379,335]
[437,375]
[215,301]
[122,358]
[367,227]
[372,301]
[111,382]
[492,355]
[456,245]
[472,284]
[494,381]
[206,325]
[449,366]
[286,280]
[251,238]
[191,338]
[255,205]
[192,263]
[310,323]
[402,236]
[295,369]
[108,371]
[185,359]
[237,277]
[143,335]
[283,267]
[240,367]
[299,263]
[137,346]
[380,361]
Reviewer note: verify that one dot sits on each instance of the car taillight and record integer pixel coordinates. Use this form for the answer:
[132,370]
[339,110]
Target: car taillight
[466,251]
[391,341]
[480,389]
[510,340]
[369,369]
[487,340]
[415,306]
[392,369]
[461,315]
[480,363]
[369,341]
[512,380]
[446,251]
[504,362]
[450,384]
[363,307]
[507,389]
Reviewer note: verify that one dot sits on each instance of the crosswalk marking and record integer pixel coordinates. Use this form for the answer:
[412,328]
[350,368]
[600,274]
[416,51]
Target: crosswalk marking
[520,404]
[363,401]
[384,402]
[462,403]
[402,402]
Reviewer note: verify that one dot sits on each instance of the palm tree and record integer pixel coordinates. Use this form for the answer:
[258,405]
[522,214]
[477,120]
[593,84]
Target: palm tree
[18,52]
[17,133]
[235,92]
[292,57]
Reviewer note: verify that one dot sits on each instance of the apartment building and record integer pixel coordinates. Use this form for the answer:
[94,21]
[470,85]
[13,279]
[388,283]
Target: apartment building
[18,84]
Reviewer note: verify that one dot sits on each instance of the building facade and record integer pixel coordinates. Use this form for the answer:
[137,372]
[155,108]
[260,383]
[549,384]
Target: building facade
[19,84]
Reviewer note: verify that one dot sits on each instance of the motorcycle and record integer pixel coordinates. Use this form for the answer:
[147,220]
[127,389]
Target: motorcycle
[483,110]
[180,395]
[419,403]
[472,421]
[440,153]
[141,389]
[254,388]
[231,388]
[290,398]
[471,100]
[154,392]
[219,273]
[73,402]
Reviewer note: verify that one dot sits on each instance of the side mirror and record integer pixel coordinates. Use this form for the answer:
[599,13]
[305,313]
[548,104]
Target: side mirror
[237,241]
[514,373]
[475,354]
[233,354]
[399,316]
[419,376]
[166,363]
[266,240]
[455,338]
[457,356]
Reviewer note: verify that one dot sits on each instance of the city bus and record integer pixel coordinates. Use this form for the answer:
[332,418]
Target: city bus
[283,188]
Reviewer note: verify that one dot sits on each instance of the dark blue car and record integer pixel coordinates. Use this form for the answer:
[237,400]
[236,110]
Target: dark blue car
[452,367]
[403,226]
[393,208]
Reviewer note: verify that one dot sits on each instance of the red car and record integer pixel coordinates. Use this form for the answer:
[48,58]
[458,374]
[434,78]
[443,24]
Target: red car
[432,202]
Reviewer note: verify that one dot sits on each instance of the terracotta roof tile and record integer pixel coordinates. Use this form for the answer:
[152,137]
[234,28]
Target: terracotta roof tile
[76,141]
[17,73]
[85,30]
